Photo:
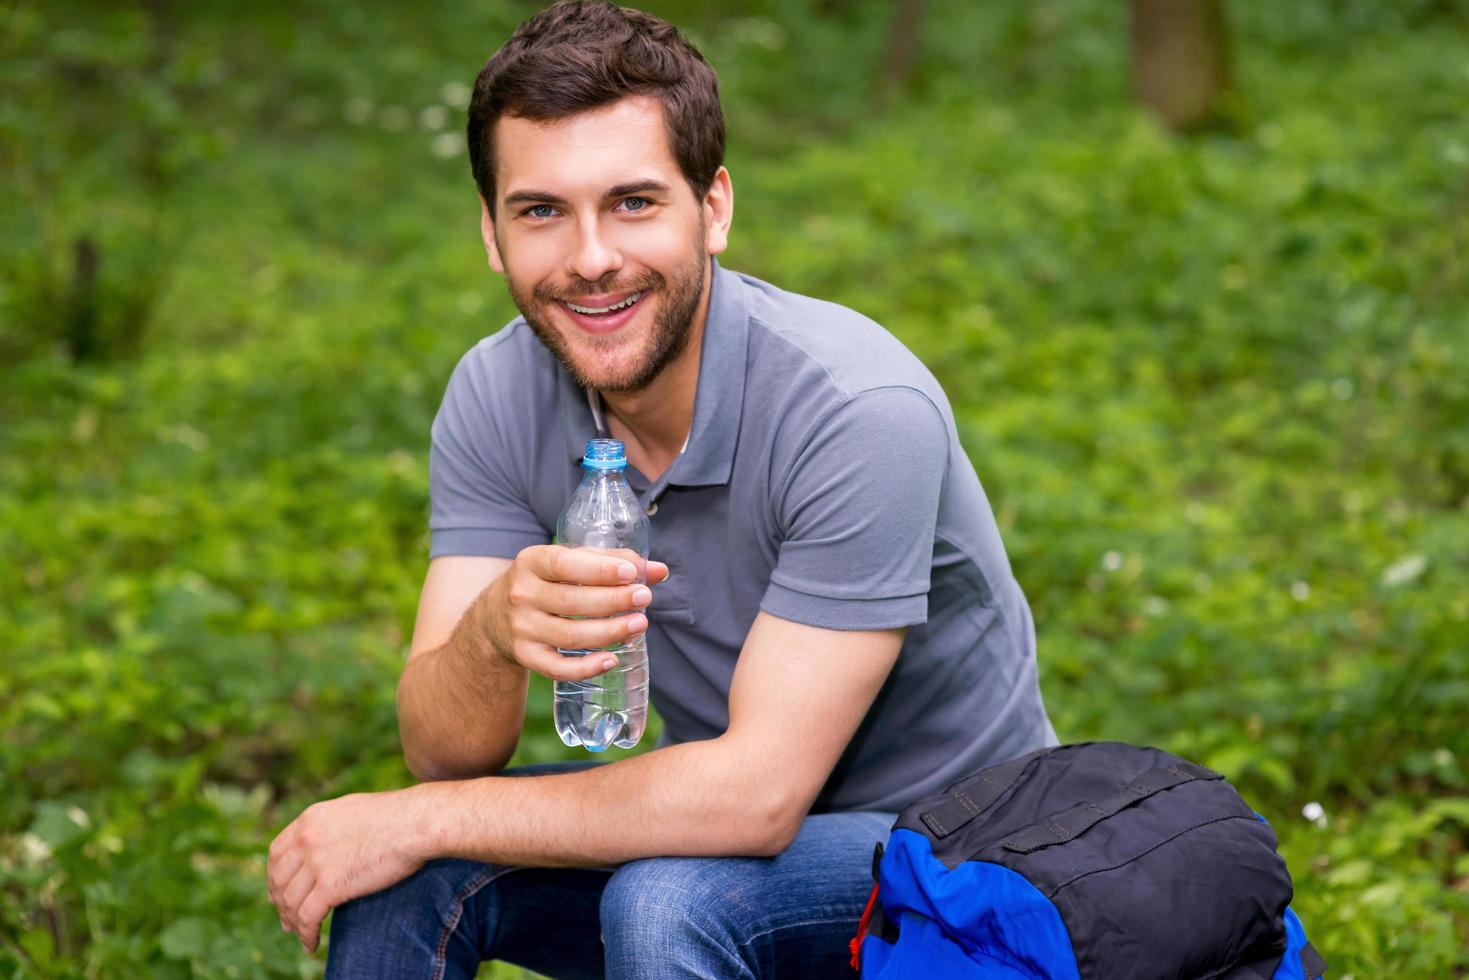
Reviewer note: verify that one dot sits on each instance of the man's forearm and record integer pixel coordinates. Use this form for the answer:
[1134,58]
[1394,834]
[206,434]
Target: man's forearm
[461,706]
[696,799]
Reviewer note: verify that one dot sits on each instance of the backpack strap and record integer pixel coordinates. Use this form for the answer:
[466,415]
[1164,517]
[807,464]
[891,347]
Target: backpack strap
[971,798]
[1313,963]
[854,946]
[1070,824]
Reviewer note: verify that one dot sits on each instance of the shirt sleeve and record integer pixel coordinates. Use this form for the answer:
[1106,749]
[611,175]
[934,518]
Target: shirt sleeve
[858,510]
[477,506]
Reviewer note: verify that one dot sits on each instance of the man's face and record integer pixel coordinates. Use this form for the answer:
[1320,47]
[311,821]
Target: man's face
[601,240]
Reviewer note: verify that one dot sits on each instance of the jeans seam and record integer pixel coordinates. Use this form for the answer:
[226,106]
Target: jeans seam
[441,955]
[792,925]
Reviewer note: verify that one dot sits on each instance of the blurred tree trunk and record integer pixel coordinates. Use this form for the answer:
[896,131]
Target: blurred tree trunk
[81,302]
[1180,54]
[902,48]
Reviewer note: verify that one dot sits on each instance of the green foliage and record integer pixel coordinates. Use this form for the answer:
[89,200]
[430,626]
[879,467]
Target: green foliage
[1216,391]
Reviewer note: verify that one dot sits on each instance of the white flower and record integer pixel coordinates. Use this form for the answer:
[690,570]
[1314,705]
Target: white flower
[1112,561]
[455,95]
[184,435]
[448,145]
[1315,813]
[1300,591]
[1404,570]
[33,850]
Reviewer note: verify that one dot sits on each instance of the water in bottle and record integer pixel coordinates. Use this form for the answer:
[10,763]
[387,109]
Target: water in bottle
[604,514]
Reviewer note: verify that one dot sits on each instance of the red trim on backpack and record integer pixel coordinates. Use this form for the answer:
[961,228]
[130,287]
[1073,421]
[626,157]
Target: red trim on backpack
[856,944]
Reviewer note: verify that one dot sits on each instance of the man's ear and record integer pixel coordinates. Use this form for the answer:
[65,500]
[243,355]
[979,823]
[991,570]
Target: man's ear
[487,232]
[718,208]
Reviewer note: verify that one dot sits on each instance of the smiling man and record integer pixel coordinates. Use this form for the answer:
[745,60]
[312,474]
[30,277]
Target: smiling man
[840,632]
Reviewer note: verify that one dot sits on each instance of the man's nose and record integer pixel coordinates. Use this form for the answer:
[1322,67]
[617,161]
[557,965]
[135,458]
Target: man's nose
[596,255]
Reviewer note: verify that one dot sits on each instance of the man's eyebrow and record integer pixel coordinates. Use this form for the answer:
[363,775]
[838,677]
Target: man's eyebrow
[533,197]
[638,187]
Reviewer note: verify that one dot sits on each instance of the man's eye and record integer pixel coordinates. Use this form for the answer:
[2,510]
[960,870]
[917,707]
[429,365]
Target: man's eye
[541,211]
[635,203]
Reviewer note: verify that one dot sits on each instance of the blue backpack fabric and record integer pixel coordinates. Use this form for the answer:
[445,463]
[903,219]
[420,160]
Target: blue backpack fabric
[1084,862]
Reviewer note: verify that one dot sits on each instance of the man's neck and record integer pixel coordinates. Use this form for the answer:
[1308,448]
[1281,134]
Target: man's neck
[654,423]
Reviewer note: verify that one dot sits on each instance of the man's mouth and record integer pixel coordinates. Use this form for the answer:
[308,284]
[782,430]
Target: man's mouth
[603,310]
[603,314]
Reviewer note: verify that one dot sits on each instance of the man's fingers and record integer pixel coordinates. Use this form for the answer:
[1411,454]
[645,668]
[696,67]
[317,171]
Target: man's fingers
[282,863]
[584,566]
[308,925]
[293,895]
[587,600]
[283,868]
[553,664]
[589,634]
[573,599]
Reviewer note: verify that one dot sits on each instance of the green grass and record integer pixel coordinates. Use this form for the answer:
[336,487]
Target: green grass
[1216,389]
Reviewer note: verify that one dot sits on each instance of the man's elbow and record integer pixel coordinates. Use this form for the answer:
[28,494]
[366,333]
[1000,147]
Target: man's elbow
[432,756]
[428,768]
[772,825]
[779,839]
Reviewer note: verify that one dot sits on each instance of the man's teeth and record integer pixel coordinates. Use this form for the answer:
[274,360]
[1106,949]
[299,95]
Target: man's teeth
[605,309]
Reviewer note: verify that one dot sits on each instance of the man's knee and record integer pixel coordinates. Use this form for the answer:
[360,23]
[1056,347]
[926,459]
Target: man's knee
[414,916]
[675,911]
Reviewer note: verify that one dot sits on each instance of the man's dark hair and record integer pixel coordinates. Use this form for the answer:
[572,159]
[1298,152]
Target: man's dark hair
[583,54]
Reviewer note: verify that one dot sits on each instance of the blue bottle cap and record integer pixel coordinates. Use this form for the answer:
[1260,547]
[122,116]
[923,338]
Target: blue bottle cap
[605,454]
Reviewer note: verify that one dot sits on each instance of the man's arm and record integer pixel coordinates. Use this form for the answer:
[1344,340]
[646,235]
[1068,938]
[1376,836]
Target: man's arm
[797,696]
[459,711]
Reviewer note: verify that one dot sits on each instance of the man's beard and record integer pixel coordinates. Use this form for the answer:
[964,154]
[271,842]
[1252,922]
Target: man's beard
[671,327]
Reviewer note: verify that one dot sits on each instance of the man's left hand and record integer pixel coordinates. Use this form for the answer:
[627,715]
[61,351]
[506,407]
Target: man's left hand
[341,849]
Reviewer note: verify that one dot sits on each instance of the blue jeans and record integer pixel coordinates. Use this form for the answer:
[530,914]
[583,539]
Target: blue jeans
[786,916]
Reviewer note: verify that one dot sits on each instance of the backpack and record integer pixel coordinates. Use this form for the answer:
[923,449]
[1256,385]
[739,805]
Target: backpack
[1095,860]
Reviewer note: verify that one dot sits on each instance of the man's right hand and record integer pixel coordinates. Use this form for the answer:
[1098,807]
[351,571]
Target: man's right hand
[572,598]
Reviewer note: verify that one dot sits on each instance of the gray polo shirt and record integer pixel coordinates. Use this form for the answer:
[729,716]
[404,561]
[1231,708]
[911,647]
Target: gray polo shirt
[823,482]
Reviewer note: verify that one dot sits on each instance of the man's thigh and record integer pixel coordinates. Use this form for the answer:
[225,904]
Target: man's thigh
[451,915]
[790,915]
[787,916]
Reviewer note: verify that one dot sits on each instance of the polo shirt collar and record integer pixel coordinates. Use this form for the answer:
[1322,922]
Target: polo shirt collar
[708,457]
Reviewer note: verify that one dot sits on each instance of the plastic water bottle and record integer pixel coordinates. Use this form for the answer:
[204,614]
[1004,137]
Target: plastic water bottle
[604,514]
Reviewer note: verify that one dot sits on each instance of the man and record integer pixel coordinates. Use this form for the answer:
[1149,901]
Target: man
[834,632]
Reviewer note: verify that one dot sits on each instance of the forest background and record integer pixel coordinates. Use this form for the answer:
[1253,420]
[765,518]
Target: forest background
[1216,386]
